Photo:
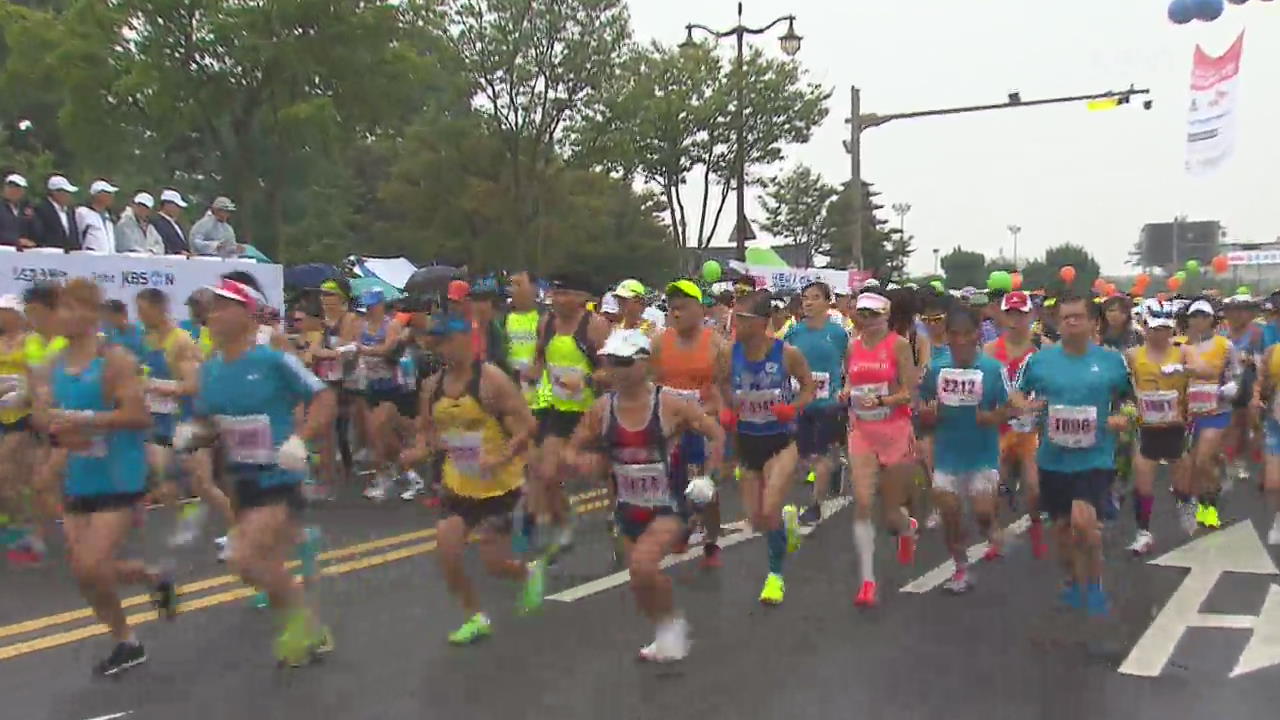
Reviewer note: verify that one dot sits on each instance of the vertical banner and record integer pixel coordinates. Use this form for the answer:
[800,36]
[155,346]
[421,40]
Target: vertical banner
[1211,125]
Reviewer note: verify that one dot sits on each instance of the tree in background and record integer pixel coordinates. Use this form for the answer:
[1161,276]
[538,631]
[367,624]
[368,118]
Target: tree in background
[881,255]
[1045,273]
[795,205]
[965,268]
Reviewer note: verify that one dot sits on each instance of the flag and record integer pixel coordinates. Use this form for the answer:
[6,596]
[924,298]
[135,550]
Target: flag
[1215,91]
[1110,103]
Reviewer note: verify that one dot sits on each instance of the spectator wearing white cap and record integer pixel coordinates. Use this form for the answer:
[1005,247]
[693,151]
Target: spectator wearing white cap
[97,231]
[134,232]
[55,216]
[213,234]
[15,214]
[165,221]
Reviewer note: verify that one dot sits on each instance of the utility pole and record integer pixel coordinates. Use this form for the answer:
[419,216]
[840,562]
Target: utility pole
[935,260]
[1014,231]
[854,148]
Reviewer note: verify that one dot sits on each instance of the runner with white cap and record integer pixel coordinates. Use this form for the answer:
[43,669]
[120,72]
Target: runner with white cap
[1215,367]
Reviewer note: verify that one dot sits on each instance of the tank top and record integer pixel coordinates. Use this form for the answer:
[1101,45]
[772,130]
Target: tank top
[39,351]
[1161,398]
[114,461]
[874,371]
[1011,373]
[1203,396]
[522,350]
[155,366]
[13,370]
[566,360]
[643,469]
[330,370]
[468,431]
[686,371]
[1273,373]
[758,386]
[378,373]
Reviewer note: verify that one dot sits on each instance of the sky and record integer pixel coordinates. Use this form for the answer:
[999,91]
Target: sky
[1060,172]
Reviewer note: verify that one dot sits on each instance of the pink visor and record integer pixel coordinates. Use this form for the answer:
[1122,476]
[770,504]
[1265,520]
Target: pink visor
[239,292]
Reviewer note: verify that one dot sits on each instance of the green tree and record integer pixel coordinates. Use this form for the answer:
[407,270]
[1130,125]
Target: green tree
[881,255]
[965,268]
[795,205]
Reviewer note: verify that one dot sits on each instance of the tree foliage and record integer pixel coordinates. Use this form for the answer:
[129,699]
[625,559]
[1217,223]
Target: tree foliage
[965,268]
[795,205]
[882,253]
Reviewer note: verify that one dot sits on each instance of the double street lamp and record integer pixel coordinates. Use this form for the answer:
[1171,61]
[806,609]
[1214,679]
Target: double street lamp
[790,43]
[1014,232]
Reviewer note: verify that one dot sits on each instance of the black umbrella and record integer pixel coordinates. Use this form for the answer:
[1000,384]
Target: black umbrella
[432,280]
[309,275]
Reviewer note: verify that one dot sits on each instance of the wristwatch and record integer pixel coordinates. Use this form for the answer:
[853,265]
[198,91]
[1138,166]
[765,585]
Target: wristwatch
[880,400]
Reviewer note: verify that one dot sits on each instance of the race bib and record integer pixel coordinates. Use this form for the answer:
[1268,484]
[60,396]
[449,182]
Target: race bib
[1073,426]
[329,369]
[643,485]
[1026,421]
[1202,398]
[97,443]
[247,438]
[463,449]
[1159,407]
[162,404]
[756,406]
[872,390]
[376,369]
[821,385]
[562,373]
[692,396]
[959,387]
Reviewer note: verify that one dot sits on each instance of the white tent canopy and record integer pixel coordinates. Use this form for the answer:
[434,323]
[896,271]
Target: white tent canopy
[393,271]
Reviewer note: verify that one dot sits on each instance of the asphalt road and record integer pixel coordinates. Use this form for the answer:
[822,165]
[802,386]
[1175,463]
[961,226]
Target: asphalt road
[1002,651]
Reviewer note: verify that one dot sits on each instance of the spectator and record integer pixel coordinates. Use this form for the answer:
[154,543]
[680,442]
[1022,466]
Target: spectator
[213,234]
[166,223]
[134,232]
[97,232]
[15,214]
[55,216]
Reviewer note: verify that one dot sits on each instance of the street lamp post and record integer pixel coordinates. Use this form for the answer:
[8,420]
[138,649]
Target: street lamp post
[790,43]
[1014,231]
[935,260]
[901,210]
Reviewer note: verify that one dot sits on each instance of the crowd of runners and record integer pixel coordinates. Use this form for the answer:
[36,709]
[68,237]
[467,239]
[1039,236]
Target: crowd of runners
[486,402]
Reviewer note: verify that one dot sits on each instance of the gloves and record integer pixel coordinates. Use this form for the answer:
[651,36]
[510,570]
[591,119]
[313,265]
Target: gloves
[700,490]
[1172,369]
[293,454]
[785,412]
[1229,390]
[728,419]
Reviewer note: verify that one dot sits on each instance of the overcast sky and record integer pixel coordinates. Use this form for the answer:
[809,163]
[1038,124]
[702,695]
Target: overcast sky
[1060,172]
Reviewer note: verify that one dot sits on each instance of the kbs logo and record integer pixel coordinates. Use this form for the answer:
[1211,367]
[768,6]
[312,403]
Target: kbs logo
[141,278]
[37,274]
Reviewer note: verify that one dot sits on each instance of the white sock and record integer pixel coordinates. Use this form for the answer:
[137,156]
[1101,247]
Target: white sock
[906,522]
[1275,522]
[864,538]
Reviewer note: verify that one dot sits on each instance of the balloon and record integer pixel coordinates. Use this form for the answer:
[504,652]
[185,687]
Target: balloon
[1068,274]
[1208,10]
[1193,267]
[1175,282]
[711,271]
[1015,280]
[1111,288]
[1242,290]
[1142,280]
[937,285]
[1181,275]
[1099,284]
[1221,265]
[1181,12]
[999,280]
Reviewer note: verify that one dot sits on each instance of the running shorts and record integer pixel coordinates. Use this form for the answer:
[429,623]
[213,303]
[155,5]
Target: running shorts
[974,482]
[1015,444]
[1220,421]
[377,397]
[408,404]
[1162,443]
[558,424]
[250,494]
[633,520]
[1271,433]
[891,441]
[1059,489]
[693,448]
[87,504]
[756,450]
[494,513]
[818,430]
[22,424]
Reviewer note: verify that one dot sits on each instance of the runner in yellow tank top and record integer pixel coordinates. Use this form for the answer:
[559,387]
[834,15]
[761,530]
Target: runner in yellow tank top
[15,409]
[1266,403]
[1215,367]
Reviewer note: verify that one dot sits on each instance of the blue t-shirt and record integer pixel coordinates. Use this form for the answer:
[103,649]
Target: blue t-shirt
[1072,438]
[961,445]
[825,350]
[257,390]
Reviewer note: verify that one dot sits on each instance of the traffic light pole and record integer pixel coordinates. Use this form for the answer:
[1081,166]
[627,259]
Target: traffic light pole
[859,122]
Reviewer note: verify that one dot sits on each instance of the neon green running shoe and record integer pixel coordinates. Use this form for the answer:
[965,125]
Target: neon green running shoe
[811,478]
[1211,519]
[774,588]
[476,628]
[534,586]
[1200,514]
[295,642]
[791,524]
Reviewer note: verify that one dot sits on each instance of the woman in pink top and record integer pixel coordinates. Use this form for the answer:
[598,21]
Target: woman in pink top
[881,382]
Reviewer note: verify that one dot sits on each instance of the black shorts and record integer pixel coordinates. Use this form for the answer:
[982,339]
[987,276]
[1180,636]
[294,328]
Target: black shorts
[22,424]
[1058,490]
[86,504]
[818,431]
[374,398]
[493,512]
[407,404]
[756,450]
[1245,392]
[1167,442]
[249,494]
[557,423]
[633,520]
[161,440]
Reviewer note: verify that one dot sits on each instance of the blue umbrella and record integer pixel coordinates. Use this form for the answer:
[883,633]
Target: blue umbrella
[309,275]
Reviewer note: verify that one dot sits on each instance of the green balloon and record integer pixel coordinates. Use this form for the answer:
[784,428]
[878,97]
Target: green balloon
[1243,290]
[711,271]
[937,285]
[1000,280]
[1193,267]
[1181,274]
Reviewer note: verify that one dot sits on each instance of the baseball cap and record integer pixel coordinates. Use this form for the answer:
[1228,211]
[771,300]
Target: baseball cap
[223,202]
[10,301]
[58,182]
[979,298]
[449,324]
[144,199]
[626,344]
[372,296]
[333,287]
[15,179]
[1016,300]
[872,301]
[102,186]
[609,304]
[172,196]
[1158,314]
[685,287]
[240,292]
[757,304]
[571,282]
[1200,307]
[630,289]
[458,290]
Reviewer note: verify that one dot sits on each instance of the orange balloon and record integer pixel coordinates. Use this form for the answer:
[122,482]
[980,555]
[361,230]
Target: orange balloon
[1068,274]
[1220,265]
[1175,282]
[1111,288]
[1142,280]
[1016,279]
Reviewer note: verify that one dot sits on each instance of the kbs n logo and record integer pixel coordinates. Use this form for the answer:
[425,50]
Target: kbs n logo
[141,278]
[36,274]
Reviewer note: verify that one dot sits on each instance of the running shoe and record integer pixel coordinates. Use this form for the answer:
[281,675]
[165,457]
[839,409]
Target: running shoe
[907,543]
[1188,515]
[531,593]
[811,478]
[1072,596]
[298,643]
[1038,547]
[1142,543]
[994,552]
[711,557]
[1209,518]
[224,547]
[866,595]
[791,524]
[959,583]
[377,490]
[165,597]
[934,520]
[415,483]
[190,521]
[774,589]
[29,551]
[1273,537]
[476,628]
[124,656]
[671,643]
[1096,603]
[812,515]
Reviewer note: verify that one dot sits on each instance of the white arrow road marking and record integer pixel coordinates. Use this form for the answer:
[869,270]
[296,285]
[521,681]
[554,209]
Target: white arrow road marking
[112,717]
[939,575]
[1236,549]
[742,534]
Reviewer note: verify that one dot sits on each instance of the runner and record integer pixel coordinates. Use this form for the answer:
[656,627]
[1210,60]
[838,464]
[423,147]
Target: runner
[1160,385]
[632,307]
[686,358]
[474,411]
[17,445]
[197,324]
[376,373]
[91,403]
[967,395]
[334,362]
[1245,335]
[1266,397]
[249,392]
[1078,382]
[1018,437]
[824,345]
[1215,366]
[639,426]
[880,386]
[759,375]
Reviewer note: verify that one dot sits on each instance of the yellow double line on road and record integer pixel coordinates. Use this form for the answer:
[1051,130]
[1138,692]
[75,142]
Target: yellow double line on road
[585,502]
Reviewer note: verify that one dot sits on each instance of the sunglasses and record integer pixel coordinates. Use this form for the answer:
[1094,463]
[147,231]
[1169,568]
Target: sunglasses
[619,362]
[750,316]
[869,313]
[934,318]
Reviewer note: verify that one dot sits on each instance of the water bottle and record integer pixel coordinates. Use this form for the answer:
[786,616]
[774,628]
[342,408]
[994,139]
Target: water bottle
[408,371]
